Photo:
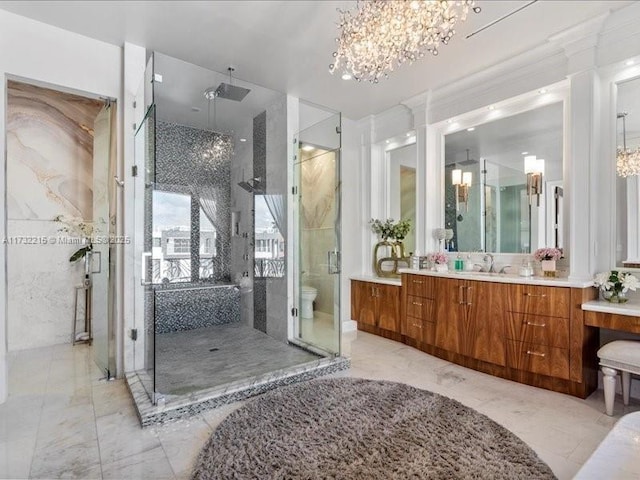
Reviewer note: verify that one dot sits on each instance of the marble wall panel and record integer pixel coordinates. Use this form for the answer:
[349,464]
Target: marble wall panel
[49,172]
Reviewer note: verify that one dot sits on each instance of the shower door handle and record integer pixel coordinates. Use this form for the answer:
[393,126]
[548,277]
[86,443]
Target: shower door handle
[333,262]
[143,274]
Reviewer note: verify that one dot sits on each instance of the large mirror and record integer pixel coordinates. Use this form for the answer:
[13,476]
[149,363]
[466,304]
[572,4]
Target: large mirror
[627,188]
[503,183]
[401,184]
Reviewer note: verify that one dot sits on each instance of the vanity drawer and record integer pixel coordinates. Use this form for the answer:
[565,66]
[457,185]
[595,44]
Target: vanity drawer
[420,330]
[541,359]
[538,329]
[540,300]
[420,285]
[419,307]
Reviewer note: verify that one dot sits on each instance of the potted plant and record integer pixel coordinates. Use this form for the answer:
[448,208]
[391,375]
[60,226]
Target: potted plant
[547,258]
[614,285]
[391,248]
[439,261]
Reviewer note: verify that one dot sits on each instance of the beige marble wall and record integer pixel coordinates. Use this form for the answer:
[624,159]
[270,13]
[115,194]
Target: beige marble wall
[318,179]
[49,172]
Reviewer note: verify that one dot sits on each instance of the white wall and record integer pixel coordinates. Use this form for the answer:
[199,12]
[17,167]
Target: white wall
[35,51]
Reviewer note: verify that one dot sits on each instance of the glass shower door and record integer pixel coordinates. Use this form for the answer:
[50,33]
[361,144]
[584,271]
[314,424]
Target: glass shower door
[317,226]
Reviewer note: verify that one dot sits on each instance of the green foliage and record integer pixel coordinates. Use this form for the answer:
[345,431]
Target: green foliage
[80,253]
[389,229]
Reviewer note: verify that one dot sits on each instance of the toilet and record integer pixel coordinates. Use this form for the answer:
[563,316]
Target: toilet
[307,296]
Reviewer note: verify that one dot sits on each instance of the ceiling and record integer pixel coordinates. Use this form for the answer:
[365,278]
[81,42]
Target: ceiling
[287,45]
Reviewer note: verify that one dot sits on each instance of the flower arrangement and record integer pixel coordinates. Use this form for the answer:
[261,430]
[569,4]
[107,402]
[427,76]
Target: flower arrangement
[615,284]
[389,229]
[77,226]
[437,258]
[547,254]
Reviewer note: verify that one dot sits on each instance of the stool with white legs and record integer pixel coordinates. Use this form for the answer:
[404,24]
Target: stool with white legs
[622,355]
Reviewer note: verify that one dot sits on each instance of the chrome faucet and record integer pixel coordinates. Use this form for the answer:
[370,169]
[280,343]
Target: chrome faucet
[488,258]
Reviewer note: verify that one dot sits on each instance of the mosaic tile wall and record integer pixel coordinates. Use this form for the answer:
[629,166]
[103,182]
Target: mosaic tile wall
[187,308]
[182,161]
[260,170]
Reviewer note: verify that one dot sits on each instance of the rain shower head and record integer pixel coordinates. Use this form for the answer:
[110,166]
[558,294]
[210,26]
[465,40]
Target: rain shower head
[252,185]
[231,92]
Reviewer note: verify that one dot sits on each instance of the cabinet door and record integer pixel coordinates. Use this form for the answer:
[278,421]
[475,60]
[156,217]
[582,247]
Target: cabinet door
[540,300]
[485,332]
[420,326]
[363,303]
[388,303]
[450,315]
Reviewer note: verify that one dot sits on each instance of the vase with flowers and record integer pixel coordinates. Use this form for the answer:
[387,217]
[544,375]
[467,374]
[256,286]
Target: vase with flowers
[547,258]
[438,260]
[390,251]
[615,284]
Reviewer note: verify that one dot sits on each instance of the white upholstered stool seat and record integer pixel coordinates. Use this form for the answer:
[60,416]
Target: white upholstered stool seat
[623,355]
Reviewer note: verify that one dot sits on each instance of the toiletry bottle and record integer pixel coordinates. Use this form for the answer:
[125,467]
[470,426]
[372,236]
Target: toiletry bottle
[459,263]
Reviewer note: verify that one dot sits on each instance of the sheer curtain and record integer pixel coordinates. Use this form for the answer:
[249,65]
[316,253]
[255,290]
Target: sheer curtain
[277,208]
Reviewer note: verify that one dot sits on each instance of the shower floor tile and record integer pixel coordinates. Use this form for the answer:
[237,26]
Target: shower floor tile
[193,360]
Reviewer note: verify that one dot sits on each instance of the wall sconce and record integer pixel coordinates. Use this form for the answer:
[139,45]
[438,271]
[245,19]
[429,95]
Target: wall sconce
[462,182]
[534,168]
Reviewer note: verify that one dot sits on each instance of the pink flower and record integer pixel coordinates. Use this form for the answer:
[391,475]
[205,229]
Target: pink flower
[437,257]
[547,254]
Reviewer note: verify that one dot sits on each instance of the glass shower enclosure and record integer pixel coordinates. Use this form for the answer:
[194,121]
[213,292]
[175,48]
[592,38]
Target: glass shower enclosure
[214,299]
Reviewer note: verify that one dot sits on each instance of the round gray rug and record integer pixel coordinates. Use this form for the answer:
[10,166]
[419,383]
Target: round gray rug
[348,428]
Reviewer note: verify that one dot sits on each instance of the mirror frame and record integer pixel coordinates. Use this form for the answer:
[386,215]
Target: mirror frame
[555,93]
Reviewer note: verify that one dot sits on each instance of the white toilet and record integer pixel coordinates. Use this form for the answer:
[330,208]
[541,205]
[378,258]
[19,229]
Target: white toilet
[307,296]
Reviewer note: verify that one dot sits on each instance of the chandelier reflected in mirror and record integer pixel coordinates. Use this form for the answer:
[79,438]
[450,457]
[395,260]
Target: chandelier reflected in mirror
[627,159]
[381,35]
[222,145]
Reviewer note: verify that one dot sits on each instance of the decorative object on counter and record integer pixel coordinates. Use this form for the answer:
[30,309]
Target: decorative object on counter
[389,254]
[614,285]
[547,258]
[448,237]
[439,261]
[440,234]
[458,263]
[386,430]
[526,270]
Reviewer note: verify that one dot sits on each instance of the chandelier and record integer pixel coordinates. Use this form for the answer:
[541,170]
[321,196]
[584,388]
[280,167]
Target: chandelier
[383,34]
[222,145]
[627,159]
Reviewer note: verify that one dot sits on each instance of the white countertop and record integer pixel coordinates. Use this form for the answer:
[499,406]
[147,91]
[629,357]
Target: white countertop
[383,280]
[503,278]
[631,308]
[617,455]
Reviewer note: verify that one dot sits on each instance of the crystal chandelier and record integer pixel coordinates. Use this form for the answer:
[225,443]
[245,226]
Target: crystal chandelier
[222,144]
[627,159]
[383,34]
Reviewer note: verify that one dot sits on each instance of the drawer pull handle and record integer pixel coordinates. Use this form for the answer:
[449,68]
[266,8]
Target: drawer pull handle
[417,281]
[537,354]
[527,294]
[532,324]
[417,325]
[417,303]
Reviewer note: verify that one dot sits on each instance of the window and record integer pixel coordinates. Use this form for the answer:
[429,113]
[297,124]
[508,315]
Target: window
[181,245]
[157,242]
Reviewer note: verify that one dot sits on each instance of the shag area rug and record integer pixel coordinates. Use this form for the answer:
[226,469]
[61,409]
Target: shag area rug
[347,428]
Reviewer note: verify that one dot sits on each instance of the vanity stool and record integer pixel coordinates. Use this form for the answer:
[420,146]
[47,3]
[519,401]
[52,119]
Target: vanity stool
[623,355]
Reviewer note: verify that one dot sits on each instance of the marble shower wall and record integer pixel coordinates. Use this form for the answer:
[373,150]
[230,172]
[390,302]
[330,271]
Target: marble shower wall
[49,172]
[318,184]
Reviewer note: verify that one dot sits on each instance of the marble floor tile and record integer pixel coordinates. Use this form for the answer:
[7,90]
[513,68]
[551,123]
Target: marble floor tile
[182,442]
[120,436]
[16,457]
[63,420]
[149,464]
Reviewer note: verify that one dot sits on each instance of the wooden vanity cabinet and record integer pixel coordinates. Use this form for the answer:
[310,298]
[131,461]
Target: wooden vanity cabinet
[469,319]
[538,333]
[418,308]
[376,307]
